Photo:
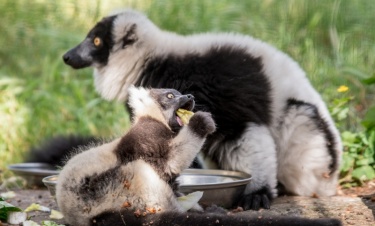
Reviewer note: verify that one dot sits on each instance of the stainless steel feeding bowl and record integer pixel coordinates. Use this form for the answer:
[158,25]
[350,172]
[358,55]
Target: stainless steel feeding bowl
[50,182]
[219,187]
[33,173]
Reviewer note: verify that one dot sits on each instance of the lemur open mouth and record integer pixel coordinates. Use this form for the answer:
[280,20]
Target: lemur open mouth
[184,112]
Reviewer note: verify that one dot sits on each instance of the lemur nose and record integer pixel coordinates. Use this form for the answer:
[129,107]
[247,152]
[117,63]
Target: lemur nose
[190,96]
[66,58]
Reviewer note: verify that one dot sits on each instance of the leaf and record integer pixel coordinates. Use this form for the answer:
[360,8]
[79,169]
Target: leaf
[343,114]
[364,173]
[5,208]
[371,141]
[369,81]
[369,119]
[348,137]
[347,162]
[364,162]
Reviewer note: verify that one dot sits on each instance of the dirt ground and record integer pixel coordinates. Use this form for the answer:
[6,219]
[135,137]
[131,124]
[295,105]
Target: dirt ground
[355,206]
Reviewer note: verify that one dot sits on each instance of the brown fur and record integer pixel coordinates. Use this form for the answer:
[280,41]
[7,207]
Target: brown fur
[149,140]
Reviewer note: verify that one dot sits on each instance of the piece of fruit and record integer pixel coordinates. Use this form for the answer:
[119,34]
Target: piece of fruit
[184,115]
[189,201]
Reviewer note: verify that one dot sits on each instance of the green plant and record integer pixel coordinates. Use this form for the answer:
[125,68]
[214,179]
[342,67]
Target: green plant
[359,148]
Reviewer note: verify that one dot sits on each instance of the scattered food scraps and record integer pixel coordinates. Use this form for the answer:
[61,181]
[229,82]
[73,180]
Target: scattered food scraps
[16,217]
[8,195]
[37,207]
[56,215]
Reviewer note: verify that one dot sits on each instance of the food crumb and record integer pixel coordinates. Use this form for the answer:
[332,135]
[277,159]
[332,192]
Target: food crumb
[126,204]
[137,213]
[151,210]
[127,184]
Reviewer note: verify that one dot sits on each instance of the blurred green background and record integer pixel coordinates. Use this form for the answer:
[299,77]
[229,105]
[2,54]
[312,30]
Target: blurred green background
[41,97]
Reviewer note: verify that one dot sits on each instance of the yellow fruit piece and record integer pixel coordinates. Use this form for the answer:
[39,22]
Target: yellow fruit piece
[184,115]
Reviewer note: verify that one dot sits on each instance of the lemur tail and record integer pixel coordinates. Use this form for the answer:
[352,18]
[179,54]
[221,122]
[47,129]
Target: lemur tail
[199,219]
[56,150]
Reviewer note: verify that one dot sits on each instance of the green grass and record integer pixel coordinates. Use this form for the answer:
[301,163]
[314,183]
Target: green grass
[41,97]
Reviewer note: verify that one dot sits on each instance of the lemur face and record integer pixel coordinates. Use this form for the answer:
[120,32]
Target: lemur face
[94,49]
[170,100]
[161,104]
[120,33]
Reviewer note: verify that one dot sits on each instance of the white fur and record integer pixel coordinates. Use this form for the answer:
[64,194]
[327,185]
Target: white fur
[253,153]
[301,155]
[305,172]
[186,146]
[144,105]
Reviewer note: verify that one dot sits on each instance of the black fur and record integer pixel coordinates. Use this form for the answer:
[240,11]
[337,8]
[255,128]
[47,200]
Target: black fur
[55,150]
[211,78]
[199,219]
[322,125]
[217,79]
[96,186]
[257,199]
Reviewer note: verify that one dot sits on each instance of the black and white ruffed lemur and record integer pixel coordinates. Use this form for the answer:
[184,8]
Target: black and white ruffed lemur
[271,123]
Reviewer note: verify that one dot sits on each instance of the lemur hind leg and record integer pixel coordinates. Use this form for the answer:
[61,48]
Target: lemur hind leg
[309,151]
[254,153]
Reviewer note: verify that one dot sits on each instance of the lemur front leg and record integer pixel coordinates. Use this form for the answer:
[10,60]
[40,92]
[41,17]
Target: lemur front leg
[189,141]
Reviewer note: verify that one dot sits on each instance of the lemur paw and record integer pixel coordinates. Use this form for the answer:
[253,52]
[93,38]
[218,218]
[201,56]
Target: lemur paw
[202,123]
[258,199]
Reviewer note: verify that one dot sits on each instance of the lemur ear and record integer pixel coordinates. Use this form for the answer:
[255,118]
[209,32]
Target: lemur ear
[130,36]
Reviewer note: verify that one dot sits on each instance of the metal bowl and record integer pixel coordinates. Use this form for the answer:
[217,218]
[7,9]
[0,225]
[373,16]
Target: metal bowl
[50,182]
[33,172]
[219,187]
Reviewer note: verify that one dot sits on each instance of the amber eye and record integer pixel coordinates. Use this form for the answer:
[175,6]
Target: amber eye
[170,96]
[97,41]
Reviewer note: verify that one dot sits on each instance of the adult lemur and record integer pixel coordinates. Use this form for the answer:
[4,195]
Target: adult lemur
[271,122]
[131,180]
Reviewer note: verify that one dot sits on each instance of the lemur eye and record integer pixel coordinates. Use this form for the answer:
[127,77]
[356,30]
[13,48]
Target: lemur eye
[97,41]
[170,96]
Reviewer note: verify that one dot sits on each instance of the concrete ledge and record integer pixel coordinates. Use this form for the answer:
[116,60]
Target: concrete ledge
[351,210]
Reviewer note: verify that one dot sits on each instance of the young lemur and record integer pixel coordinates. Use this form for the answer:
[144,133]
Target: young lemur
[131,180]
